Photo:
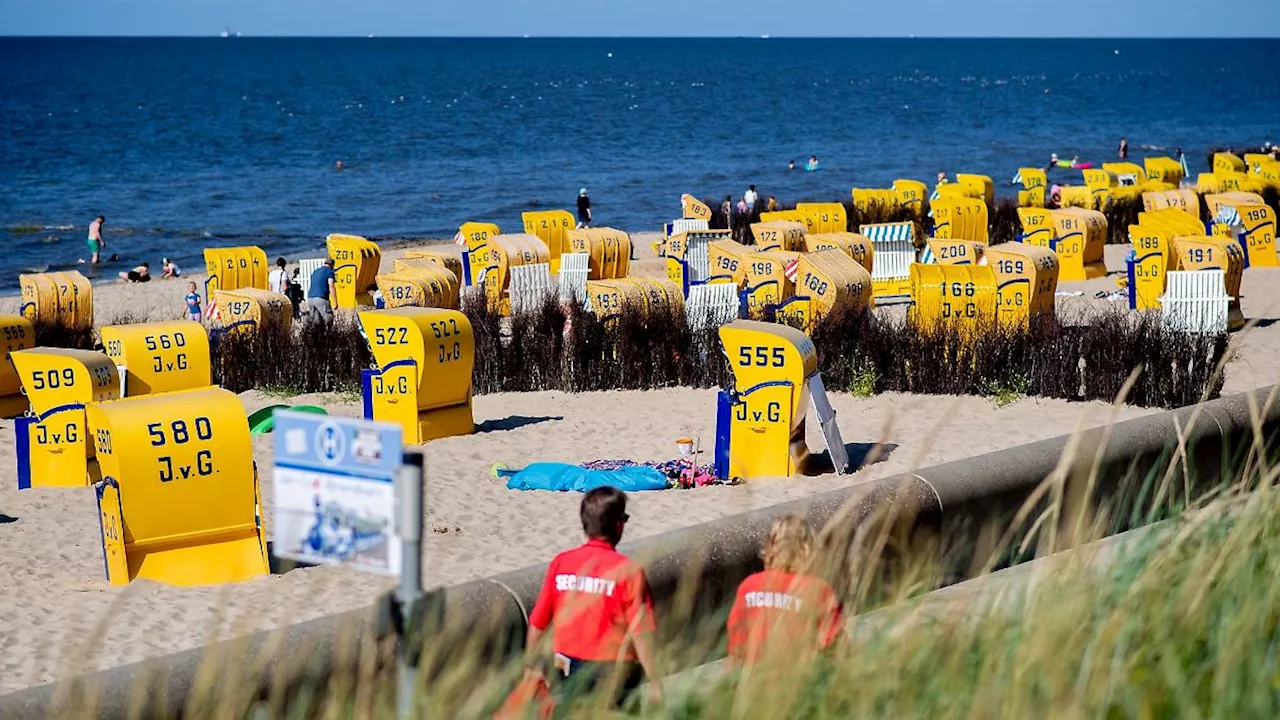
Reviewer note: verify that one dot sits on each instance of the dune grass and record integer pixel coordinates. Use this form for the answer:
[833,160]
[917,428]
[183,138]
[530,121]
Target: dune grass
[1183,623]
[1177,620]
[1181,619]
[1182,627]
[568,349]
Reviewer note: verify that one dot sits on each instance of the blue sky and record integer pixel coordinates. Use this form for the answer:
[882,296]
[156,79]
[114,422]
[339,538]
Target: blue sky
[845,18]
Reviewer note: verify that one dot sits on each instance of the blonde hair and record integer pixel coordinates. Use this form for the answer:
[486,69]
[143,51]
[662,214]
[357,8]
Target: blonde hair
[790,546]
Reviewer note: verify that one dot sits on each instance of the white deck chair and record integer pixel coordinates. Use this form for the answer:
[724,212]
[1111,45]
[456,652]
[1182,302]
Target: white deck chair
[893,250]
[711,305]
[531,285]
[675,227]
[1195,301]
[306,267]
[575,268]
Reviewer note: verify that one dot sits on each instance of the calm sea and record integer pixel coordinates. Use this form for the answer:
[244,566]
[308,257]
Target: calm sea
[186,143]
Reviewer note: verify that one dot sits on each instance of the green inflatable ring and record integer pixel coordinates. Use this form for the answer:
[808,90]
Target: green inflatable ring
[263,421]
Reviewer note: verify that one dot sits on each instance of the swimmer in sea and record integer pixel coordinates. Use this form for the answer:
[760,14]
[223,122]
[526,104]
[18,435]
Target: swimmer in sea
[1074,162]
[141,273]
[791,164]
[812,164]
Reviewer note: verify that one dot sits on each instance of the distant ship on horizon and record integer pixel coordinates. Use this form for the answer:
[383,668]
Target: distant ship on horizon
[226,33]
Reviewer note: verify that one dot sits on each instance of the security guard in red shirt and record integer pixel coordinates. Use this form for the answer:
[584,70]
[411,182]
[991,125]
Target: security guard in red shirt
[596,603]
[781,611]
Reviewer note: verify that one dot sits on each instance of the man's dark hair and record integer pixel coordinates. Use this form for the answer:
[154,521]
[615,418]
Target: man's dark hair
[281,262]
[602,509]
[753,187]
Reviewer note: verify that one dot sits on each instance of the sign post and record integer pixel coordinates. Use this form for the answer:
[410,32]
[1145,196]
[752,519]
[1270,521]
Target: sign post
[346,493]
[409,531]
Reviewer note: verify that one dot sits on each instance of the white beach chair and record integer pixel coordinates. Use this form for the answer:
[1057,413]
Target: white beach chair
[531,286]
[697,264]
[574,270]
[306,267]
[675,227]
[893,252]
[1195,301]
[711,305]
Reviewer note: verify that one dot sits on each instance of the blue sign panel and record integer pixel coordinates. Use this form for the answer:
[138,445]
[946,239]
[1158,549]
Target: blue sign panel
[334,490]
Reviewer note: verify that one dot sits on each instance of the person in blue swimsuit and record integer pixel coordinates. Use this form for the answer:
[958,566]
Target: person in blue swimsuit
[193,303]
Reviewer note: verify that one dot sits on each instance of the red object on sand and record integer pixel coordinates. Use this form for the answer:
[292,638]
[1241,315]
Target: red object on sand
[1084,166]
[530,694]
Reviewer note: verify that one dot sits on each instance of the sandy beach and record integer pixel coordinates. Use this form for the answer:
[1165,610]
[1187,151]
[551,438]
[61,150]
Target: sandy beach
[63,619]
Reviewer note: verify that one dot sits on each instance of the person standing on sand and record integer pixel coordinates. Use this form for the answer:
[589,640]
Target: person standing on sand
[782,613]
[1124,149]
[750,198]
[96,243]
[193,303]
[294,293]
[278,280]
[596,605]
[321,293]
[584,209]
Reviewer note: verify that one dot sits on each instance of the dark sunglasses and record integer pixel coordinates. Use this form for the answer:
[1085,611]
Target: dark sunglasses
[625,517]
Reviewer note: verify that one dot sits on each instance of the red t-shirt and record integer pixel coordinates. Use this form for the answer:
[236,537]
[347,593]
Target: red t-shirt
[593,598]
[797,612]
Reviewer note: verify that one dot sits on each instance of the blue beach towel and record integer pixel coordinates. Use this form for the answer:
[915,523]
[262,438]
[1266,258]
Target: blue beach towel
[564,477]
